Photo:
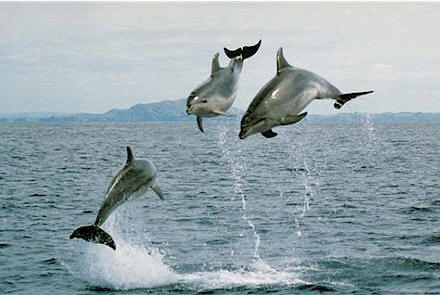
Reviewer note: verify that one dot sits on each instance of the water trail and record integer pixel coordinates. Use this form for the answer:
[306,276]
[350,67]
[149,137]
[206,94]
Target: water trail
[302,160]
[369,128]
[238,170]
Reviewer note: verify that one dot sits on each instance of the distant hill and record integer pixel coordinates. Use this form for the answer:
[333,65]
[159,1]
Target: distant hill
[175,111]
[160,111]
[17,117]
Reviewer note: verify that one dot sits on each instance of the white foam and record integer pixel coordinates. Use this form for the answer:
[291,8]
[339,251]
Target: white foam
[224,279]
[131,266]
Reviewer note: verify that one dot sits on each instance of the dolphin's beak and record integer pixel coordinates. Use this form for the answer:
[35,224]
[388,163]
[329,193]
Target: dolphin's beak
[73,235]
[188,110]
[242,134]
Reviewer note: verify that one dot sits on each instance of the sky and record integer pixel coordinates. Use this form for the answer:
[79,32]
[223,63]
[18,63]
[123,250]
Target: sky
[92,57]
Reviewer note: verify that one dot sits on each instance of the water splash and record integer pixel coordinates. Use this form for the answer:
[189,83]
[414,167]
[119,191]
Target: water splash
[130,266]
[127,268]
[134,266]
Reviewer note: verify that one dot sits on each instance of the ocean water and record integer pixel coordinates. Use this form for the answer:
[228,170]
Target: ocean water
[340,208]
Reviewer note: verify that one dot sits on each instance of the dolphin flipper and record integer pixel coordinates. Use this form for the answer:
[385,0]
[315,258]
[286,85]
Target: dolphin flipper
[287,120]
[200,123]
[157,190]
[343,98]
[269,133]
[245,52]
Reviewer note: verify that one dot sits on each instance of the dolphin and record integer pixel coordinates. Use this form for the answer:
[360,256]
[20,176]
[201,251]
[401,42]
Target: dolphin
[133,180]
[282,99]
[217,94]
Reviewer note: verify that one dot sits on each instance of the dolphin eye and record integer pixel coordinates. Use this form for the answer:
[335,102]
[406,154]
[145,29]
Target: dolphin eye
[204,101]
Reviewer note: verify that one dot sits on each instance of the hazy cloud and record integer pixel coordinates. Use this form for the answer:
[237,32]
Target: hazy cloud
[73,56]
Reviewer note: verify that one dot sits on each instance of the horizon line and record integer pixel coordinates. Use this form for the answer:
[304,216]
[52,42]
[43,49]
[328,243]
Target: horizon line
[62,113]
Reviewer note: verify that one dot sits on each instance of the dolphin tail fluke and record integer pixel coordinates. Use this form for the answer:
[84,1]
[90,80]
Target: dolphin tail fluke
[343,98]
[245,52]
[94,234]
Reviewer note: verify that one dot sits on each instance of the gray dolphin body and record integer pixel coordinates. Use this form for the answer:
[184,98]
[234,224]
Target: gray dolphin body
[133,180]
[282,99]
[216,95]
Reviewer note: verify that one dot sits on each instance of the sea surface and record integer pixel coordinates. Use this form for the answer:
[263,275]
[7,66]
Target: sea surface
[347,208]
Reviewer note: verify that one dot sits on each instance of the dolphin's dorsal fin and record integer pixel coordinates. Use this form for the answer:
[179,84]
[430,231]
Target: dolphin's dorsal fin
[215,65]
[129,155]
[281,61]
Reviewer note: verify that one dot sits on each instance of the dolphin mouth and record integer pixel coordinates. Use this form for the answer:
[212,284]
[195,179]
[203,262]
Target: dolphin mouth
[195,109]
[242,135]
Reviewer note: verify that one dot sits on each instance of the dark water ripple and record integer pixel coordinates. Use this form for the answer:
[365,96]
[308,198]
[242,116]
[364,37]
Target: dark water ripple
[336,208]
